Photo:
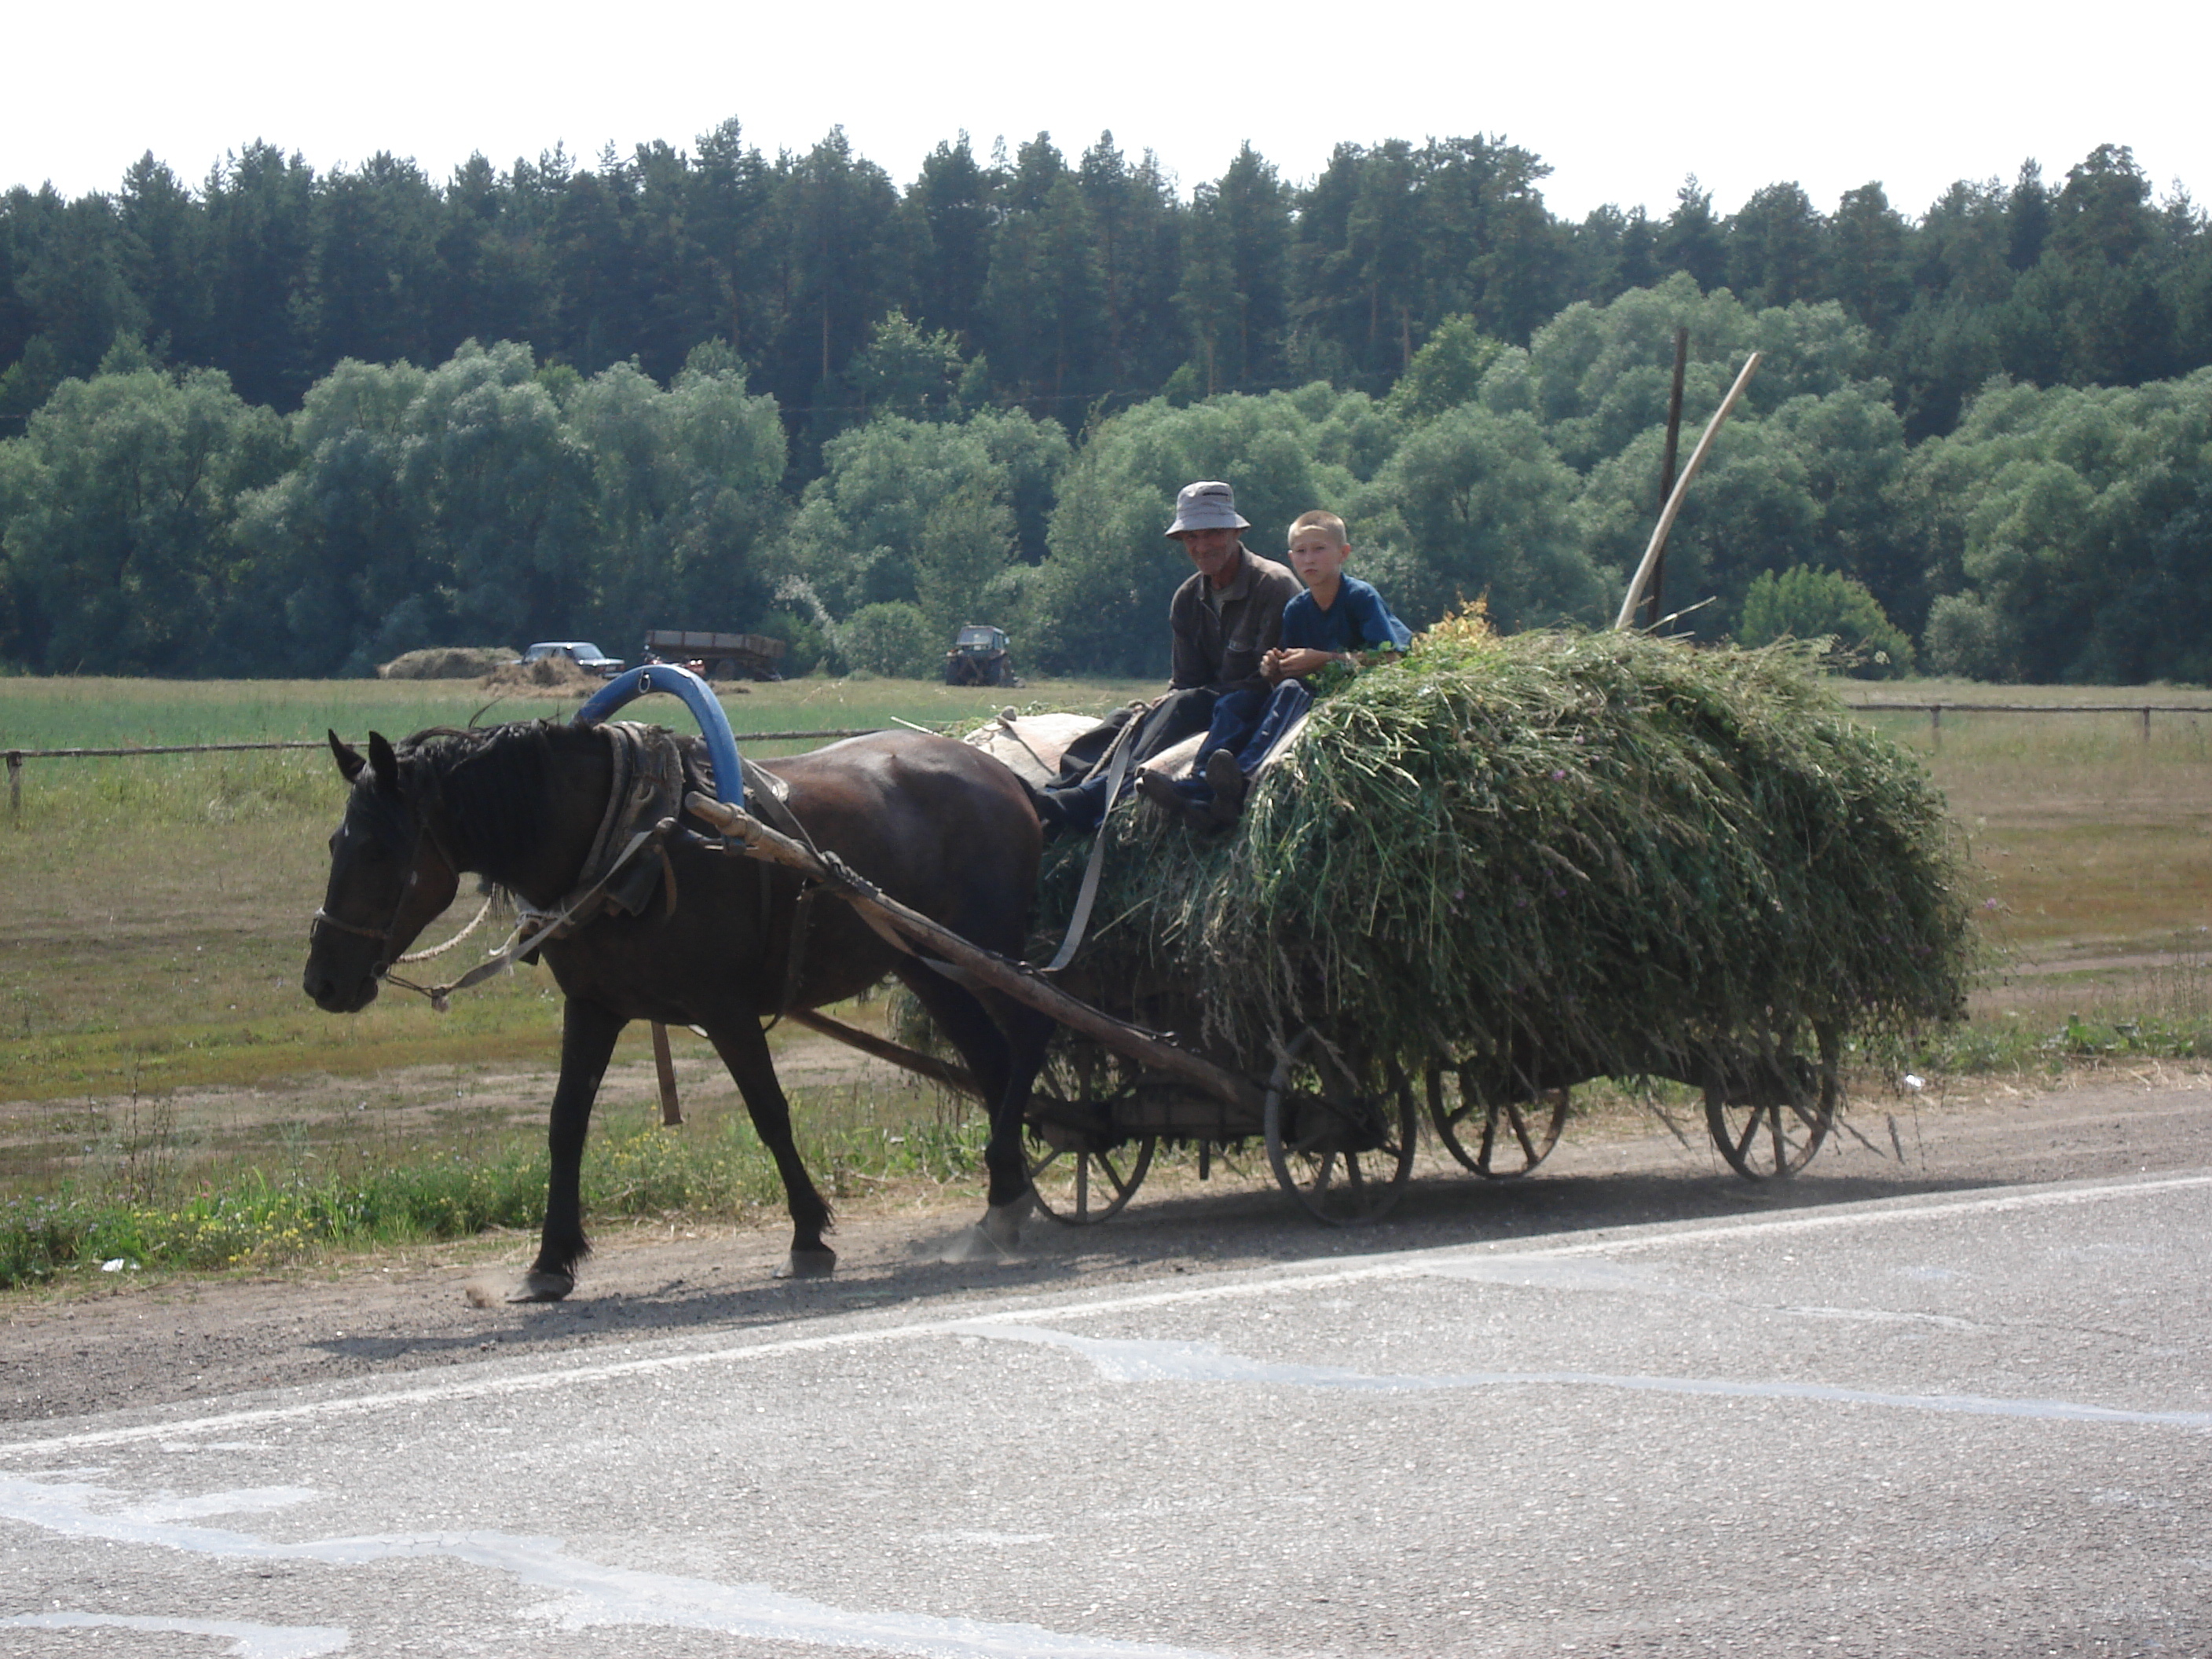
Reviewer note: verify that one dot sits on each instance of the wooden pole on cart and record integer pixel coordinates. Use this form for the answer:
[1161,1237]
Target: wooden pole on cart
[912,1059]
[907,929]
[1658,546]
[664,1068]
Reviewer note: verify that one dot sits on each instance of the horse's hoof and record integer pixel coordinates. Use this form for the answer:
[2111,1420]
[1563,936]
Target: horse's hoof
[1002,1223]
[808,1264]
[539,1286]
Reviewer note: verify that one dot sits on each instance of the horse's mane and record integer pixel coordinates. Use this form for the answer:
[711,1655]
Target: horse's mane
[492,781]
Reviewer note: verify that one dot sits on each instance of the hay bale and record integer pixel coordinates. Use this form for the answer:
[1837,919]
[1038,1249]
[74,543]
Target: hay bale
[556,675]
[1612,854]
[447,662]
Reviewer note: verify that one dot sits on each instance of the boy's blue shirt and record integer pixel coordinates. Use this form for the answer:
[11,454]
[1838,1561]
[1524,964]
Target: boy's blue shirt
[1358,621]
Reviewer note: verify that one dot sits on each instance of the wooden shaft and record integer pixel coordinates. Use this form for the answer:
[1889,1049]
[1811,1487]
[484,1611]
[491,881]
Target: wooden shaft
[867,1042]
[1658,546]
[1013,978]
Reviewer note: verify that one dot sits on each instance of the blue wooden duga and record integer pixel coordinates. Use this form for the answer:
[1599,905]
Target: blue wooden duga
[697,696]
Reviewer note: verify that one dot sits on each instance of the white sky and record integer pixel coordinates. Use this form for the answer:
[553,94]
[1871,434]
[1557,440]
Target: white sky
[1622,100]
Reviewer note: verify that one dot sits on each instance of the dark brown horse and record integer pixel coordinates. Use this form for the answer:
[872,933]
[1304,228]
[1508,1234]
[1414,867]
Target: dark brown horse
[936,825]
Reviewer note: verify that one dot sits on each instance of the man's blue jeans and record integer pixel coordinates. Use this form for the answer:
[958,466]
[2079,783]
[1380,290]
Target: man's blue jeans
[1248,731]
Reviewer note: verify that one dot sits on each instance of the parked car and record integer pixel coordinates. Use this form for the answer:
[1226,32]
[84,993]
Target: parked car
[586,655]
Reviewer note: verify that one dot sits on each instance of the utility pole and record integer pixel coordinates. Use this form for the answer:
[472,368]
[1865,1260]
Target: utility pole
[1667,466]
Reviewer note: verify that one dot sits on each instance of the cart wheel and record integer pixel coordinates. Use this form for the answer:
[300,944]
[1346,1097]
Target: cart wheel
[1772,1142]
[1517,1134]
[1081,1168]
[1345,1155]
[1080,1187]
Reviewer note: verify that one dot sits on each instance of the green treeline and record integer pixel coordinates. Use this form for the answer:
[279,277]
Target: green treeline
[289,423]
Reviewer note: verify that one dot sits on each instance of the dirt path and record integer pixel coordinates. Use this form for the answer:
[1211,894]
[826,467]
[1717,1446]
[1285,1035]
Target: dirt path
[135,1342]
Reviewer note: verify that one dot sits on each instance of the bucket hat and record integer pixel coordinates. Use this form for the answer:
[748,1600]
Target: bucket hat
[1207,505]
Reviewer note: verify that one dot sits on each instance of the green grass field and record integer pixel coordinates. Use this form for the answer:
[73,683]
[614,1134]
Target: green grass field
[70,714]
[154,911]
[168,1094]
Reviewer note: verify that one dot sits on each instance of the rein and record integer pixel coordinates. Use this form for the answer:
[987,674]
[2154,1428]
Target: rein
[531,931]
[475,922]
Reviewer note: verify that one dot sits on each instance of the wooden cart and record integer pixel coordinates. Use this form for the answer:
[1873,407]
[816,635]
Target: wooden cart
[1339,1130]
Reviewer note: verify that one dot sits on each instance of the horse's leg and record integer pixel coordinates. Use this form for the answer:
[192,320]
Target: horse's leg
[743,1046]
[1027,1032]
[1004,1069]
[588,1042]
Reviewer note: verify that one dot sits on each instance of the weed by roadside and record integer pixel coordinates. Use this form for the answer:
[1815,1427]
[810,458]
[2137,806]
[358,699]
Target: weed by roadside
[142,1212]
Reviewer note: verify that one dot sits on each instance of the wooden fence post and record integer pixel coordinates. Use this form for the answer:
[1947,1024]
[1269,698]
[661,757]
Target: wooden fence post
[14,783]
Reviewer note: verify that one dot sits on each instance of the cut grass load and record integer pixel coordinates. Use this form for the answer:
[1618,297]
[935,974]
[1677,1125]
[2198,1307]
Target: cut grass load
[1567,854]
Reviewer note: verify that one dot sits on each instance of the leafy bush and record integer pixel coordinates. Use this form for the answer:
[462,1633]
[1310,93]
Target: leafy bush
[1805,603]
[805,644]
[893,639]
[1968,636]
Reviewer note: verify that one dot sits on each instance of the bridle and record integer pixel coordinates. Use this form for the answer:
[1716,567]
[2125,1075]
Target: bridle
[382,968]
[381,935]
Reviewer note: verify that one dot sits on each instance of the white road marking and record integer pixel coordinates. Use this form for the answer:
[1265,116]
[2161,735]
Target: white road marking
[1125,1360]
[586,1595]
[248,1641]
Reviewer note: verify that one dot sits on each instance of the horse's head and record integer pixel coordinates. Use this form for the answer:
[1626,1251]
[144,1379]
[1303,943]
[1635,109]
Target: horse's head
[389,879]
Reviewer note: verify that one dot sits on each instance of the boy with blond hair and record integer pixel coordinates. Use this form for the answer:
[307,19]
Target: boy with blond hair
[1338,616]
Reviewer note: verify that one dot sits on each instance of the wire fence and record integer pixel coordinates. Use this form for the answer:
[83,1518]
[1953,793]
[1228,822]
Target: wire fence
[16,757]
[1936,711]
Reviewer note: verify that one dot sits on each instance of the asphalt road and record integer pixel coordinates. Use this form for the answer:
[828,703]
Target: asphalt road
[1954,1422]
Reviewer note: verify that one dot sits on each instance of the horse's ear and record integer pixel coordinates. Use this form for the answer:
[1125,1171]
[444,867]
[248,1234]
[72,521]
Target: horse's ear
[383,763]
[348,758]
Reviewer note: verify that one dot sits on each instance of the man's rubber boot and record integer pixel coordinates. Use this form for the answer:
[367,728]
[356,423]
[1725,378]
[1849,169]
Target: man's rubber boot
[1228,785]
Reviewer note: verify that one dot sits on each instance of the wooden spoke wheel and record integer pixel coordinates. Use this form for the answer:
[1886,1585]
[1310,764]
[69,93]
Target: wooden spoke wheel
[1498,1140]
[1772,1135]
[1081,1169]
[1344,1153]
[1079,1186]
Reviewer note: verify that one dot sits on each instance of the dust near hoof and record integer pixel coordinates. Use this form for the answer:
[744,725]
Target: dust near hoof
[1002,1223]
[537,1286]
[971,1243]
[808,1264]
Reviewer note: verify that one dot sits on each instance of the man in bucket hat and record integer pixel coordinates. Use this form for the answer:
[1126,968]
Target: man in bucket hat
[1230,614]
[1225,618]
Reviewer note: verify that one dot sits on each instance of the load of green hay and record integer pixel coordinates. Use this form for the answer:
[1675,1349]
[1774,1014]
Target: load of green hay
[1573,854]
